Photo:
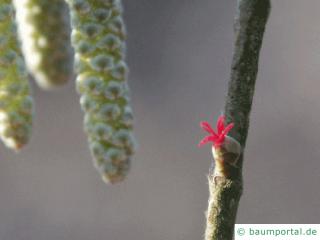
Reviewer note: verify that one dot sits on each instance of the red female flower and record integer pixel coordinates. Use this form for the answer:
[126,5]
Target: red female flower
[218,137]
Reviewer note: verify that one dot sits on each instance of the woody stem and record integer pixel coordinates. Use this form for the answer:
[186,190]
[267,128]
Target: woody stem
[226,190]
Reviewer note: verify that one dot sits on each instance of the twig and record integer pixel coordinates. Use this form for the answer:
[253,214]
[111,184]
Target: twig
[225,191]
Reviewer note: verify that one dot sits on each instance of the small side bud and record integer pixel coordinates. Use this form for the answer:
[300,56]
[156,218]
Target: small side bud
[109,111]
[114,90]
[102,15]
[115,167]
[101,63]
[91,29]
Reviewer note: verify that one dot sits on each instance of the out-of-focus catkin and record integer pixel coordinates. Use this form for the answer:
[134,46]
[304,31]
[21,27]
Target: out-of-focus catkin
[16,105]
[44,30]
[98,36]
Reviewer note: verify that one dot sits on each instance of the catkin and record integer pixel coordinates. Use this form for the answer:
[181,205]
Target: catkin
[98,35]
[44,30]
[16,105]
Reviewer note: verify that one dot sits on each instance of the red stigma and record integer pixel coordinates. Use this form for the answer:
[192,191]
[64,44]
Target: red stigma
[216,137]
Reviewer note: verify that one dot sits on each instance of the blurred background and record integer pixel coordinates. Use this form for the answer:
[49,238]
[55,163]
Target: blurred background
[179,53]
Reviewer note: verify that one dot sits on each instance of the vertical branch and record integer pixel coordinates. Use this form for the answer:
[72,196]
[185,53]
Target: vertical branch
[225,191]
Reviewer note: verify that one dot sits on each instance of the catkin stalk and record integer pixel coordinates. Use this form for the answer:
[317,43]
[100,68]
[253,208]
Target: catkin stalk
[16,105]
[44,30]
[98,36]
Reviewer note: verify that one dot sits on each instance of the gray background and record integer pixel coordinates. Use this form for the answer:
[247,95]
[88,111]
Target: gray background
[179,53]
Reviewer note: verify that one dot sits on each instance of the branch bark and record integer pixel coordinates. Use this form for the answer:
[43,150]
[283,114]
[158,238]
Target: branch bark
[225,191]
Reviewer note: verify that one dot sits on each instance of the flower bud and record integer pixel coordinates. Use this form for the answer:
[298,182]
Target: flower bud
[225,149]
[229,151]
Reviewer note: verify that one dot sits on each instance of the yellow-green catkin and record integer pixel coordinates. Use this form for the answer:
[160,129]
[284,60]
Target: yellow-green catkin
[98,36]
[44,30]
[16,105]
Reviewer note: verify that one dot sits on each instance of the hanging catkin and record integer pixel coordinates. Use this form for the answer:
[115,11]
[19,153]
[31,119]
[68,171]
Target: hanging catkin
[98,39]
[44,30]
[16,105]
